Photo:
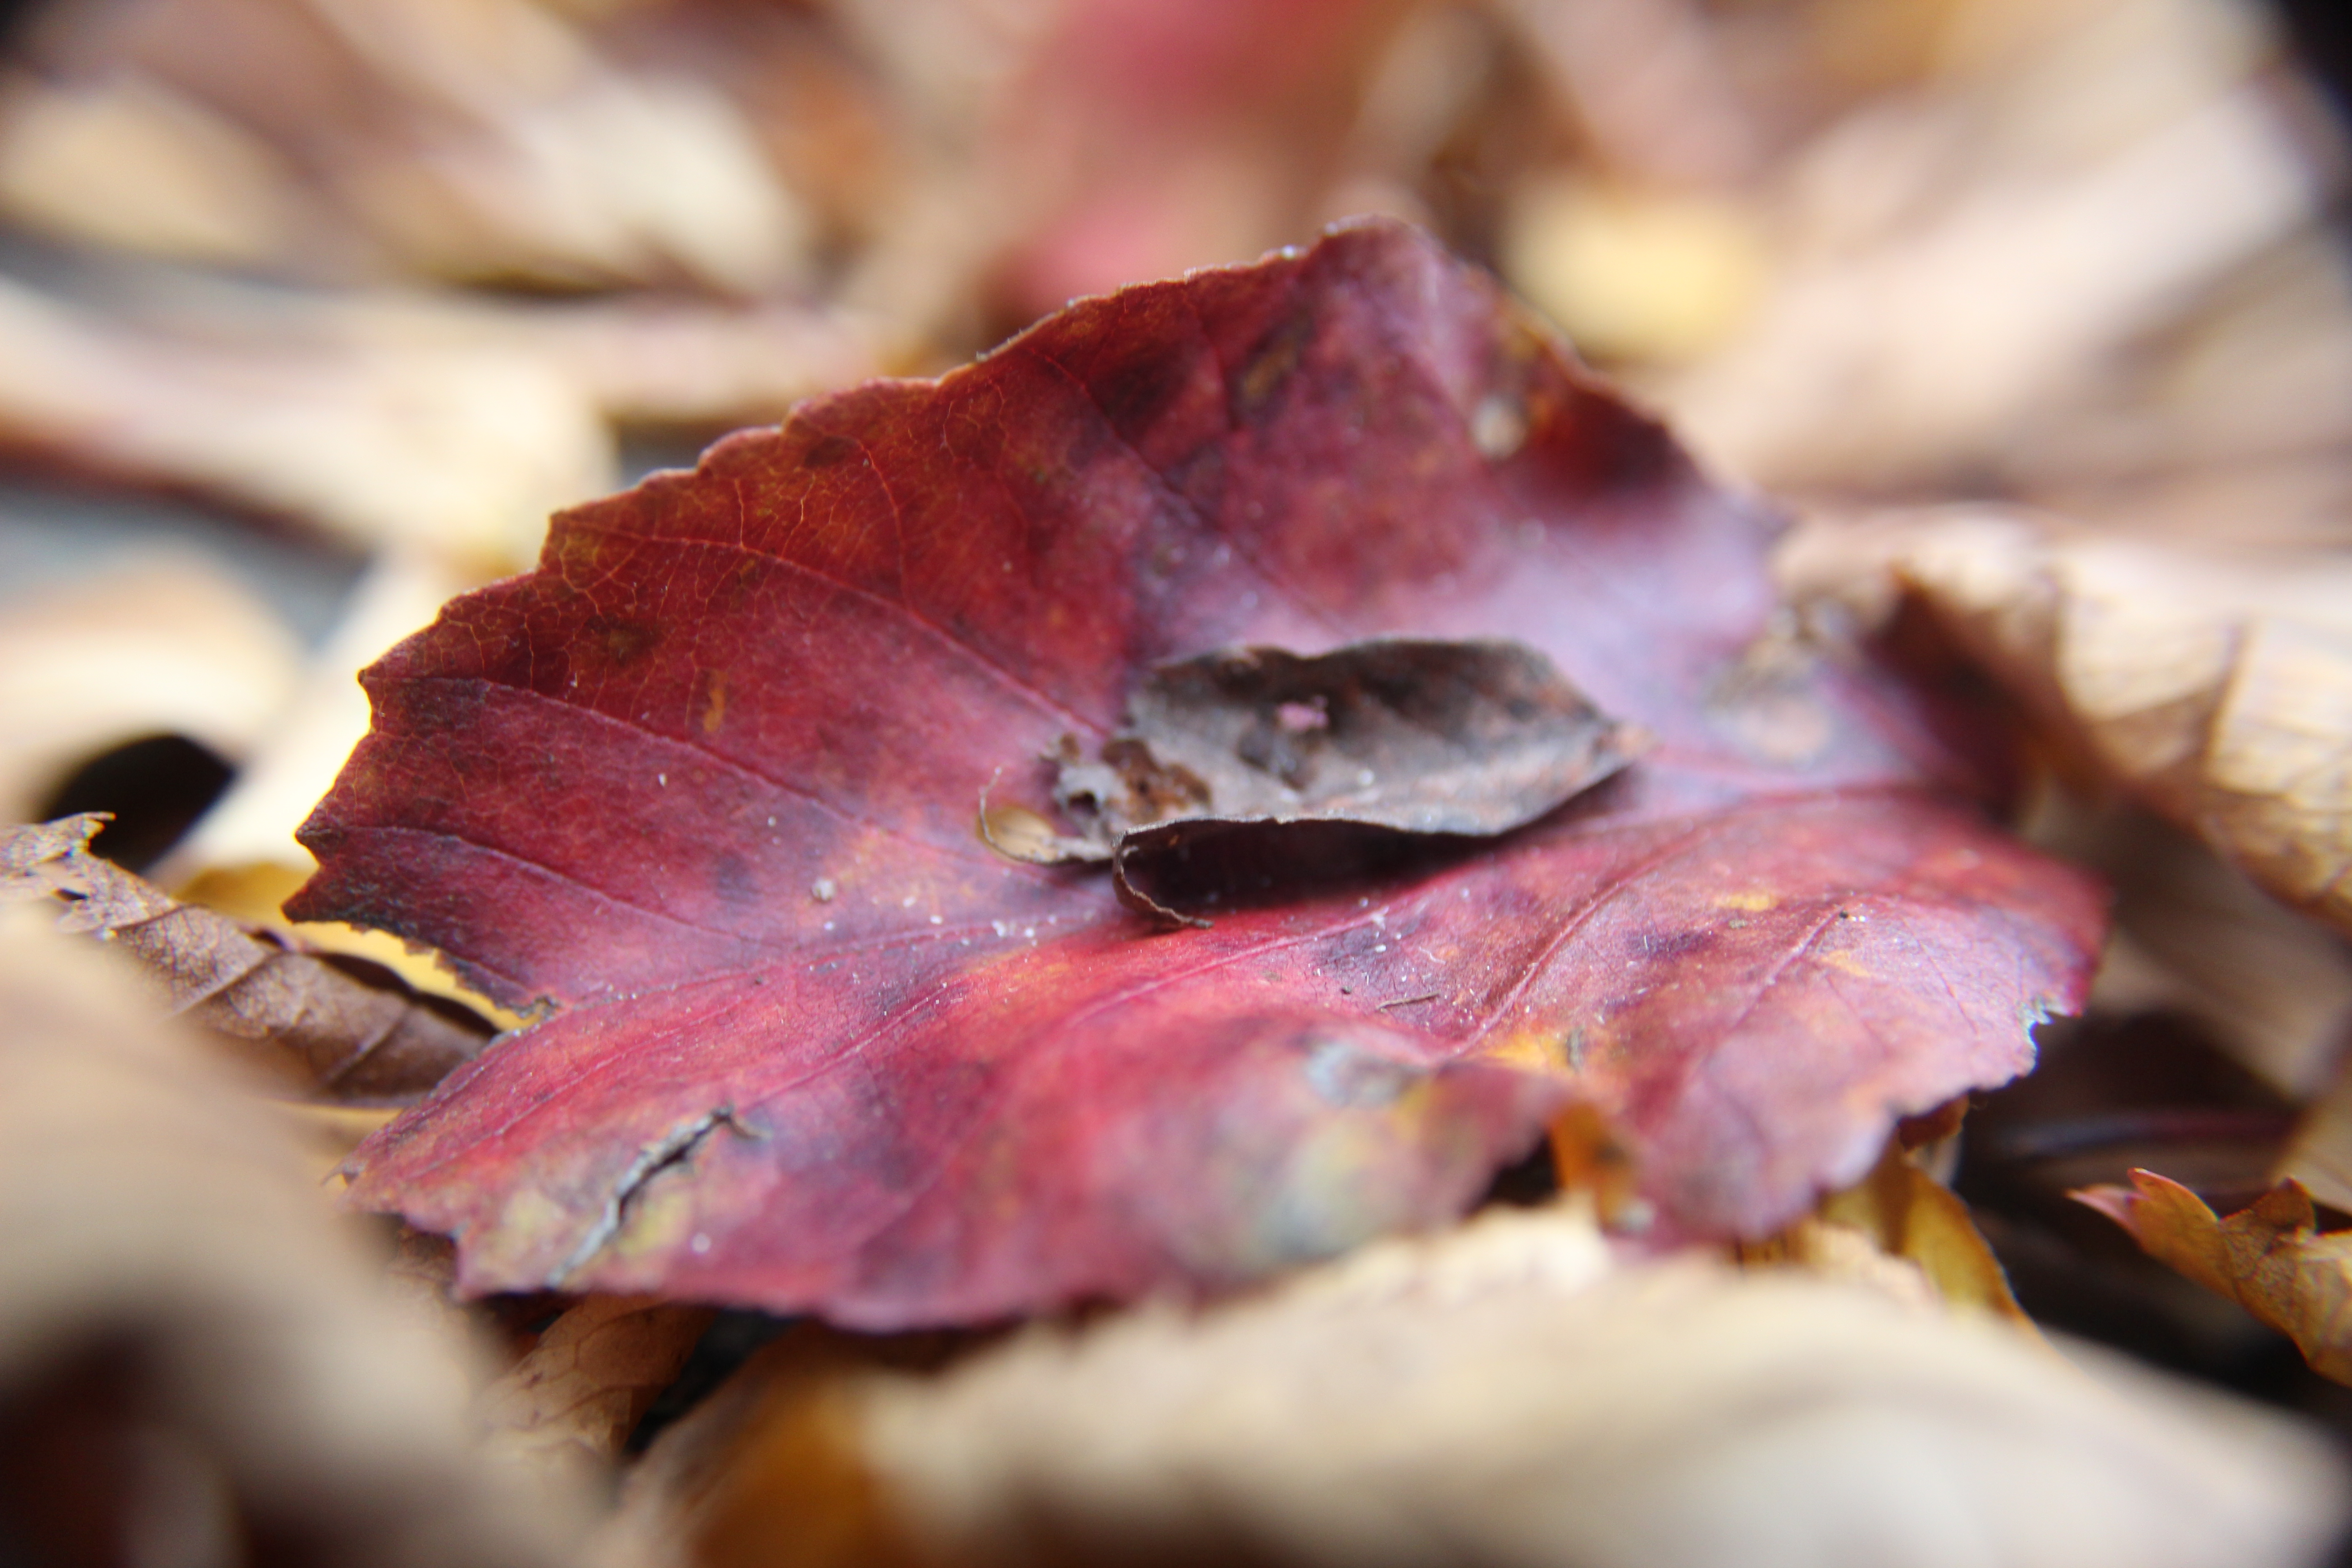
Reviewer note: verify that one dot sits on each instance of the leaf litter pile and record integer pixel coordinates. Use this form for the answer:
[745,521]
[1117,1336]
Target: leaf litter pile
[1262,923]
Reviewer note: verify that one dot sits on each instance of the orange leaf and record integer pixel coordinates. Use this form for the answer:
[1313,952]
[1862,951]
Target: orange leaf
[2269,1258]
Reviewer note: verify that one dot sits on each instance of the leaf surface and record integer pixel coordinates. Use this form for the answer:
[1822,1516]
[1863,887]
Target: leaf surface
[709,780]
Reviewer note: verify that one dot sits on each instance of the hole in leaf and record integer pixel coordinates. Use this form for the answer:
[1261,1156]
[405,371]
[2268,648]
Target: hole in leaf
[156,787]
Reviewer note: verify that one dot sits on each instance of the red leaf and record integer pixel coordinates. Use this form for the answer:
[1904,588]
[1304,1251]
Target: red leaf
[708,780]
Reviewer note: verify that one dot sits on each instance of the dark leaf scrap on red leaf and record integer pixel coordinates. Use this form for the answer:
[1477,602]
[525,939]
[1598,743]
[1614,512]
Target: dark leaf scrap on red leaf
[706,781]
[1477,737]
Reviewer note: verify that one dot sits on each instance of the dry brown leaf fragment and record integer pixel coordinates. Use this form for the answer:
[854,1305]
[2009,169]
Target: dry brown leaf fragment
[1471,737]
[315,1022]
[778,1439]
[132,164]
[2194,935]
[1503,1395]
[197,1362]
[2271,1258]
[642,359]
[1963,265]
[497,141]
[253,824]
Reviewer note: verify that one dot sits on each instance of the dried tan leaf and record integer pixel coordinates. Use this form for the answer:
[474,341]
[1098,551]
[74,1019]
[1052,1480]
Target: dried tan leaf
[174,1294]
[135,164]
[1663,279]
[778,1440]
[2194,935]
[1061,149]
[2217,687]
[2319,1155]
[2244,392]
[1651,82]
[316,1024]
[1963,263]
[1830,1249]
[465,450]
[160,647]
[2270,1258]
[646,361]
[499,142]
[1503,1395]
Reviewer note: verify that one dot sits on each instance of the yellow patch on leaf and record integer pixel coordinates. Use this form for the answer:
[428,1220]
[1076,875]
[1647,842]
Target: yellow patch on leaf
[1898,1215]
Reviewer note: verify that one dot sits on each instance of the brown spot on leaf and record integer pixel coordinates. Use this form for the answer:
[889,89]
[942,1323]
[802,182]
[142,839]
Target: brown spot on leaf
[714,701]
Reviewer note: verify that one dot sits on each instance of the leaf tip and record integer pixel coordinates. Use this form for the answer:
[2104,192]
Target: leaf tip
[2117,1202]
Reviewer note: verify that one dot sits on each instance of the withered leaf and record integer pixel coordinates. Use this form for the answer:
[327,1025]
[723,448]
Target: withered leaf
[1473,737]
[1499,1396]
[1900,1218]
[2215,684]
[2270,1258]
[1420,736]
[340,1029]
[706,781]
[160,646]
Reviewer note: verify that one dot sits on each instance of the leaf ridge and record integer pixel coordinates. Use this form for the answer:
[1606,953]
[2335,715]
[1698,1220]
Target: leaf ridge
[391,829]
[1541,964]
[1214,526]
[977,856]
[1042,698]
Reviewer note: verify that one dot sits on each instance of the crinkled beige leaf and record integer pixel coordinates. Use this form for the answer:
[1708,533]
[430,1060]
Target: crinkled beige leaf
[413,423]
[2319,1155]
[652,360]
[163,1247]
[297,759]
[2228,423]
[136,165]
[1661,278]
[498,141]
[1504,1395]
[2218,687]
[2270,1258]
[2194,935]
